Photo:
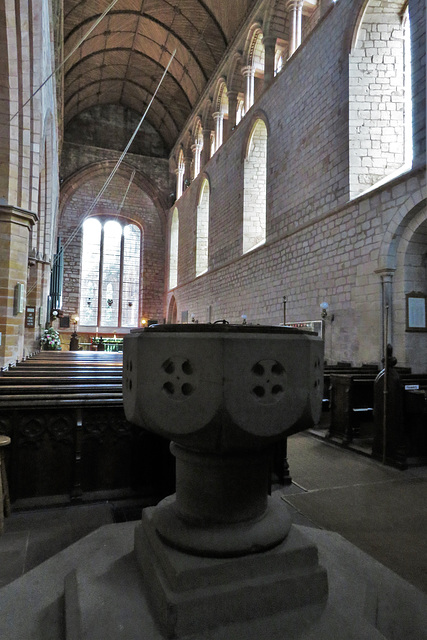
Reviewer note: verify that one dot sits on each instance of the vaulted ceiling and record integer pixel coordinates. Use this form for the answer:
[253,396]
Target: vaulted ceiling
[123,59]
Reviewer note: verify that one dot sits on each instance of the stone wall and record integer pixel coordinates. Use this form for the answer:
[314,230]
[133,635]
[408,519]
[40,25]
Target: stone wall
[29,183]
[111,127]
[139,208]
[321,245]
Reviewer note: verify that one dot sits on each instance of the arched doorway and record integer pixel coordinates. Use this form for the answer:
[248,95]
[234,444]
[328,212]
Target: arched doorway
[404,261]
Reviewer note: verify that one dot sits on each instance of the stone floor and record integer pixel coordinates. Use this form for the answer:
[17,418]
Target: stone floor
[381,510]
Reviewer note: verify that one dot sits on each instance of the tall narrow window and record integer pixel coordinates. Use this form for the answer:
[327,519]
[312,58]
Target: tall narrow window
[90,272]
[255,189]
[380,118]
[240,112]
[110,286]
[180,175]
[407,66]
[202,230]
[111,258]
[130,280]
[173,251]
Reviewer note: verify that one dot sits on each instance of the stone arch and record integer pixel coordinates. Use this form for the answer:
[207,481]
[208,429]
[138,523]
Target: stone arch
[98,169]
[253,70]
[180,172]
[197,144]
[219,112]
[410,277]
[402,219]
[256,53]
[401,259]
[255,32]
[258,115]
[218,97]
[197,129]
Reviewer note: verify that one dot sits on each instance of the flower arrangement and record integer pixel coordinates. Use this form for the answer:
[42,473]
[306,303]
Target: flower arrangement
[50,340]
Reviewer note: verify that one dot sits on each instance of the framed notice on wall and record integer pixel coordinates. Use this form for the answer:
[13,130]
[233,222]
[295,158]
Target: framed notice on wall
[416,315]
[30,317]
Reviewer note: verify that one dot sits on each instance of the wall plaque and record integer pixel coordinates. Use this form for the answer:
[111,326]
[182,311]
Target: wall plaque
[64,322]
[416,316]
[30,317]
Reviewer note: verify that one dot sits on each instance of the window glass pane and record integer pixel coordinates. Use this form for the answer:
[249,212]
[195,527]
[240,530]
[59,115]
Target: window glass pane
[255,189]
[111,274]
[131,268]
[173,258]
[202,240]
[88,313]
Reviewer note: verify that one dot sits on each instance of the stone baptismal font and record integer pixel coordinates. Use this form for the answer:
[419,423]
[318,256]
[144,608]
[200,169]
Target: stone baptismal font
[222,550]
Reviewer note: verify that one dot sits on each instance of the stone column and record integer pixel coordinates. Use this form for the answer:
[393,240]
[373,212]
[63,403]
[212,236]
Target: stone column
[187,171]
[206,151]
[295,7]
[249,74]
[269,43]
[196,149]
[218,119]
[179,181]
[15,226]
[386,276]
[232,110]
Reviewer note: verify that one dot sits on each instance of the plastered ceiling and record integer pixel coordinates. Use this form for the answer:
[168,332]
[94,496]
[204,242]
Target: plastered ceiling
[123,59]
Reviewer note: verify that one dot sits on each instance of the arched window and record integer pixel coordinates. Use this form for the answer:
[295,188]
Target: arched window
[280,55]
[255,188]
[180,175]
[202,230]
[173,252]
[220,115]
[197,149]
[380,116]
[278,62]
[110,274]
[258,54]
[240,111]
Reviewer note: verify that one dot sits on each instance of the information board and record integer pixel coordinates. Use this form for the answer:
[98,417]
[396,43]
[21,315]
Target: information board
[30,317]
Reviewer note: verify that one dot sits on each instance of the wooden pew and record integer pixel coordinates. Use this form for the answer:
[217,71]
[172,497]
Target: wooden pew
[352,405]
[342,368]
[69,433]
[405,434]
